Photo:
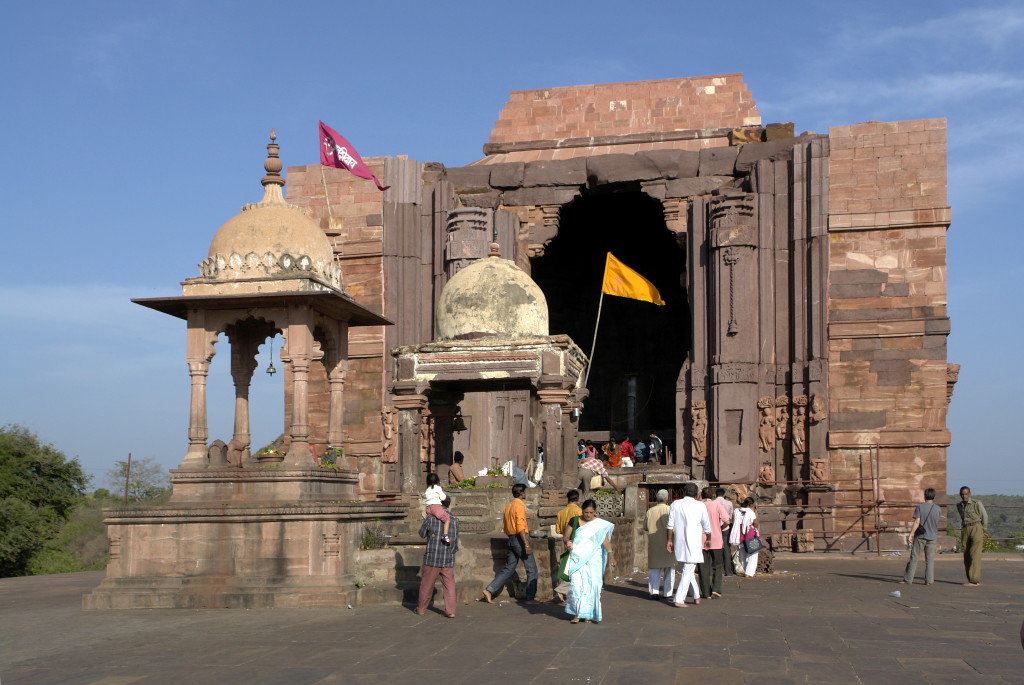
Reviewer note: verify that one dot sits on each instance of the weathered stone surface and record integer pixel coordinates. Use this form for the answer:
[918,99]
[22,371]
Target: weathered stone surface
[673,163]
[857,420]
[563,172]
[539,196]
[718,161]
[489,199]
[620,168]
[859,276]
[840,291]
[655,190]
[686,187]
[470,178]
[750,154]
[509,175]
[778,131]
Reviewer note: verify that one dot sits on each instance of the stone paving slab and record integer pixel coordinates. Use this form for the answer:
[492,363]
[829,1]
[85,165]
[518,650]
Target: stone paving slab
[829,619]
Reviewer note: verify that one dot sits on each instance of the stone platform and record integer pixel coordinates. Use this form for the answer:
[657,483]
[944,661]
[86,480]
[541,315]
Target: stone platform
[828,619]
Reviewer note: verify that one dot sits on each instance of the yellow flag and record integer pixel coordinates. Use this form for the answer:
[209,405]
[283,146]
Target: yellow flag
[620,280]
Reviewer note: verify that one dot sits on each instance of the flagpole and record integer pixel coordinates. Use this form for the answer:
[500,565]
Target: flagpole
[593,345]
[330,217]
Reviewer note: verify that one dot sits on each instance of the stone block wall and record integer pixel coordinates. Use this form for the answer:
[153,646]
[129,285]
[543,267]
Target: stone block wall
[649,111]
[354,224]
[888,217]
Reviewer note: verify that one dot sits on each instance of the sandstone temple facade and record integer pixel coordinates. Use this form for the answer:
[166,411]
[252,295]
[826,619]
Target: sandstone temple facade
[804,339]
[800,355]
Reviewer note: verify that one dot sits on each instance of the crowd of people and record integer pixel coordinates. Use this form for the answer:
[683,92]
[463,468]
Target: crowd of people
[690,535]
[625,450]
[692,544]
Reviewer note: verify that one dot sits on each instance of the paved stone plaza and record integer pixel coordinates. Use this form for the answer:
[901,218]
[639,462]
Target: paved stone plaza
[827,619]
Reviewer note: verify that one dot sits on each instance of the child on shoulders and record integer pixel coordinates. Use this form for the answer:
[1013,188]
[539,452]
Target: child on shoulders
[432,498]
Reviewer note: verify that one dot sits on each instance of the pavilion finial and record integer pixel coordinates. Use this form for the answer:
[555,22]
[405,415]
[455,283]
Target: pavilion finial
[273,182]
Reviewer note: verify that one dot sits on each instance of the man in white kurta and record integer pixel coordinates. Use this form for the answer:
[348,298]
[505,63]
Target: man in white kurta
[687,519]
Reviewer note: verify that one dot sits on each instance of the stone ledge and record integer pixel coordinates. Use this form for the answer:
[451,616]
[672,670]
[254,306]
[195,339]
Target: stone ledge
[261,475]
[859,439]
[596,141]
[248,513]
[890,328]
[896,218]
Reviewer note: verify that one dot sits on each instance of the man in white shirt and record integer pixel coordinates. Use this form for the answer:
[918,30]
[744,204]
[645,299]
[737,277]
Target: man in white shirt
[687,519]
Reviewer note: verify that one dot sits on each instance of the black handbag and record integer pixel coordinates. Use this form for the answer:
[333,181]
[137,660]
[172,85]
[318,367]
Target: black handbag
[752,541]
[753,545]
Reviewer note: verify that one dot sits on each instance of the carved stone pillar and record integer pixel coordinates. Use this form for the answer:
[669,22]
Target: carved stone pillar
[297,355]
[336,360]
[336,409]
[410,408]
[199,353]
[564,475]
[552,403]
[469,232]
[243,363]
[734,337]
[443,409]
[198,432]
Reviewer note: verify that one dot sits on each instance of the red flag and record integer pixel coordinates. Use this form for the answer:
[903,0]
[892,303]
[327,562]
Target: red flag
[337,152]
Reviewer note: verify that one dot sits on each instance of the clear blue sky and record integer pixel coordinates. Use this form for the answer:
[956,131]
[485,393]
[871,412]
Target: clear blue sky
[133,130]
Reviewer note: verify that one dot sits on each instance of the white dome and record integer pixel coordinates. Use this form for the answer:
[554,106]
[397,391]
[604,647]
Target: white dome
[491,297]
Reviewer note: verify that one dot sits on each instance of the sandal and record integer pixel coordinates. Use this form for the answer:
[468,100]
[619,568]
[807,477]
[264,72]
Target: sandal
[575,620]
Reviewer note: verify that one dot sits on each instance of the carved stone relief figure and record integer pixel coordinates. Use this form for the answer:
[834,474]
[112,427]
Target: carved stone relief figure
[766,476]
[766,424]
[389,425]
[742,492]
[817,414]
[237,453]
[782,417]
[952,375]
[699,429]
[426,437]
[799,424]
[819,471]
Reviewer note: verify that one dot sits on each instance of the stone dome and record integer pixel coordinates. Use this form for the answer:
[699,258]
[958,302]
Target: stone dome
[491,297]
[271,238]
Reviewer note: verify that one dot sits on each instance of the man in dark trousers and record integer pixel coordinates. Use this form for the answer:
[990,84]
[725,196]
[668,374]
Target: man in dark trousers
[922,536]
[439,560]
[514,525]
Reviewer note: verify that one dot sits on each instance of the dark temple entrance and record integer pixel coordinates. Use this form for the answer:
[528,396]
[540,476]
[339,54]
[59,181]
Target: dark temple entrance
[640,346]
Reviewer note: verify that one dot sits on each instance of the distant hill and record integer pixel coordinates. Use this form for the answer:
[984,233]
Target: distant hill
[1004,522]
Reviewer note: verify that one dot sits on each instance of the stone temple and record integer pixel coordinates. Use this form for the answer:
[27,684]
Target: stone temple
[800,355]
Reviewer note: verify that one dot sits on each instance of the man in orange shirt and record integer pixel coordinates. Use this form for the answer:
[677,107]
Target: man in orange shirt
[514,525]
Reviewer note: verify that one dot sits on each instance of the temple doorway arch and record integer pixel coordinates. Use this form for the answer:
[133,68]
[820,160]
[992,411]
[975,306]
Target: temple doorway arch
[640,346]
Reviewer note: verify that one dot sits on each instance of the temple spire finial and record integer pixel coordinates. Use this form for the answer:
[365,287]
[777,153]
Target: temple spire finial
[273,183]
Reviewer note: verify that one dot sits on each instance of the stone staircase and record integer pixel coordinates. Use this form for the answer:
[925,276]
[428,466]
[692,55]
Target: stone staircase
[391,575]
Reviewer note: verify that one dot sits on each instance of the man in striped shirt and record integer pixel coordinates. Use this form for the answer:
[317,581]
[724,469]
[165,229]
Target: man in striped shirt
[588,468]
[438,560]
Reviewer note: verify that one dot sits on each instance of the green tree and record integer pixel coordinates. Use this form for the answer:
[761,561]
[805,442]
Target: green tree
[148,481]
[39,489]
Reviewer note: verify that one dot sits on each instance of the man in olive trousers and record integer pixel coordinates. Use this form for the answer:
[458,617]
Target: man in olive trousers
[973,522]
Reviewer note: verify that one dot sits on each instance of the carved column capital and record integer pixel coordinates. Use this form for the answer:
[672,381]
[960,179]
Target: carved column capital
[468,233]
[542,227]
[676,211]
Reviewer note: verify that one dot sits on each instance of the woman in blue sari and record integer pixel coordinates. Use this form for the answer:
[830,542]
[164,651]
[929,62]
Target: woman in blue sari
[590,548]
